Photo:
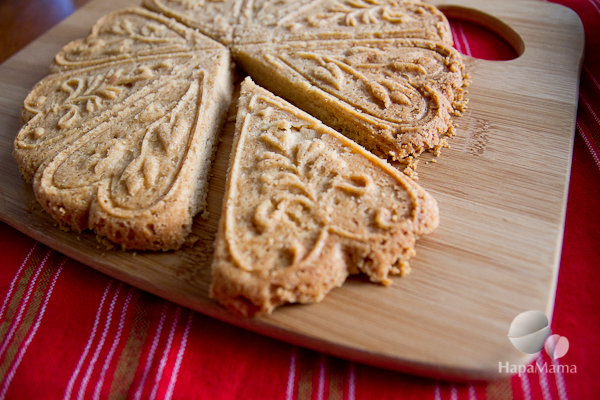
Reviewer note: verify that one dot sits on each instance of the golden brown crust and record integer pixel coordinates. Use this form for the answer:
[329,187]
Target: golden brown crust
[315,208]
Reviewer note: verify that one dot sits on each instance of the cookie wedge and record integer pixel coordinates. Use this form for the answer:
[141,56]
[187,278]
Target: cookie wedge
[123,145]
[396,97]
[305,207]
[261,21]
[309,20]
[130,33]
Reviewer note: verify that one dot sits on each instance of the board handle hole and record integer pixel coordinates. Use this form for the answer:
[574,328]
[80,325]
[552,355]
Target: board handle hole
[481,35]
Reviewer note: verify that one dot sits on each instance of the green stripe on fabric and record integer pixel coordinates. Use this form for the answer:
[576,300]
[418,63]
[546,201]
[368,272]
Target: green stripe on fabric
[132,352]
[29,316]
[499,390]
[20,289]
[337,376]
[305,374]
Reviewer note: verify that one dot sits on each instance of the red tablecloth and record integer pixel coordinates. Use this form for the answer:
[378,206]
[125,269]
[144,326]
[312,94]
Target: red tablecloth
[67,331]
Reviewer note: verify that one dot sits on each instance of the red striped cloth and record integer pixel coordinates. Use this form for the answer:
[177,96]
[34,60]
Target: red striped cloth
[69,332]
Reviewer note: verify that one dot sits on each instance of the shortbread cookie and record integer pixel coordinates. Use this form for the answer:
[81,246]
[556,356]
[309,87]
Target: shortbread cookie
[307,20]
[124,147]
[253,21]
[393,96]
[382,72]
[304,207]
[129,33]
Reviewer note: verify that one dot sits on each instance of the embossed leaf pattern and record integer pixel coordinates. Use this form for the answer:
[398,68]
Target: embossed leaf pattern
[379,92]
[306,208]
[140,158]
[85,98]
[331,74]
[133,33]
[148,32]
[288,174]
[301,174]
[80,98]
[357,12]
[385,79]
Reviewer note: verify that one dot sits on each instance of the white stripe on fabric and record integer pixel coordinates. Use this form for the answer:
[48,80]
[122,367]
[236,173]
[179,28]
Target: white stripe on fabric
[543,378]
[465,41]
[150,359]
[437,392]
[453,393]
[595,6]
[588,144]
[100,346]
[31,335]
[88,344]
[14,281]
[472,393]
[179,359]
[352,382]
[584,135]
[589,107]
[165,356]
[592,77]
[525,386]
[114,346]
[561,386]
[24,303]
[457,44]
[321,385]
[289,391]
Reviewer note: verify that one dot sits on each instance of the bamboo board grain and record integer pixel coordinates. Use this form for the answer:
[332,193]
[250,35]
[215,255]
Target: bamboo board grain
[501,189]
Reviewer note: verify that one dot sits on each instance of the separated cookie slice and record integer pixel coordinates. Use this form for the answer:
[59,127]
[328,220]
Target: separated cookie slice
[124,147]
[304,207]
[395,97]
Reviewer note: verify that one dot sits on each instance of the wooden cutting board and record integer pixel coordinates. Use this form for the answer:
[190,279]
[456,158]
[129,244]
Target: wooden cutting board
[501,188]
